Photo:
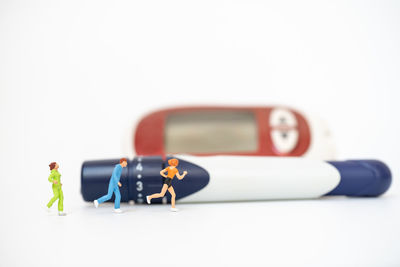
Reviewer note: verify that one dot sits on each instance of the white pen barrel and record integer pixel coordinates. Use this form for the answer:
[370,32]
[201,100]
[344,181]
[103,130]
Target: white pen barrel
[236,178]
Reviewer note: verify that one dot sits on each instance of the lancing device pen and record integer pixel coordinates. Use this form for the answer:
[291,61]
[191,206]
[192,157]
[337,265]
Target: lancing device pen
[239,178]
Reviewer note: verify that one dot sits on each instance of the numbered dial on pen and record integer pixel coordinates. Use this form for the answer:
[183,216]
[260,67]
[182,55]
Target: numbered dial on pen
[147,179]
[139,183]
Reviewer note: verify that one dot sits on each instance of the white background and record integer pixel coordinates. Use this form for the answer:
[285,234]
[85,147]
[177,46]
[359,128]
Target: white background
[75,76]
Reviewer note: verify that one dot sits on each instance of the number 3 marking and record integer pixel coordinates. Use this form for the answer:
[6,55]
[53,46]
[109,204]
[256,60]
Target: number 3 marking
[139,186]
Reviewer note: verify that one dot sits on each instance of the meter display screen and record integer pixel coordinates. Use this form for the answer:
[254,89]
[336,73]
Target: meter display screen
[211,132]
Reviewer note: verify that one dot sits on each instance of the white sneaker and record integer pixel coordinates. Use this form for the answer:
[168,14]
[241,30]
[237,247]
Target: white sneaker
[61,213]
[148,199]
[48,209]
[174,209]
[117,210]
[96,203]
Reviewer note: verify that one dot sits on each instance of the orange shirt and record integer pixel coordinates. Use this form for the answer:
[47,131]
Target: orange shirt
[171,172]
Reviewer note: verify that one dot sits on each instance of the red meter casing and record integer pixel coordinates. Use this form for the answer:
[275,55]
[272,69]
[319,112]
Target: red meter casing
[278,131]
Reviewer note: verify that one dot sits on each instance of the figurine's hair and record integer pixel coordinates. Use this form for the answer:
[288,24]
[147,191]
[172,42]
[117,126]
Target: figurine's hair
[173,162]
[52,165]
[122,160]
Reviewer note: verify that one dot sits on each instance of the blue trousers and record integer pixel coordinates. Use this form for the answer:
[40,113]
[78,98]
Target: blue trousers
[112,189]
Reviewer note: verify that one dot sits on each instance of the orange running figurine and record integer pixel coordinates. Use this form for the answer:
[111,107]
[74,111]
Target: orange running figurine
[171,172]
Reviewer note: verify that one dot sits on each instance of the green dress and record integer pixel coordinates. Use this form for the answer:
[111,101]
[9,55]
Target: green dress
[58,193]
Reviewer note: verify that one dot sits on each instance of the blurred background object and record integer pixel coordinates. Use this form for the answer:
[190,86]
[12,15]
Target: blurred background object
[224,130]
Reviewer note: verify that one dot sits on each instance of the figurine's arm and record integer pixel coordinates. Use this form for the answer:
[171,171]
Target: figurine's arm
[180,177]
[51,179]
[116,176]
[162,173]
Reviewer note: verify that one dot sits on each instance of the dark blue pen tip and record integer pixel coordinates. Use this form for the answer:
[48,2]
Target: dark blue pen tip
[362,178]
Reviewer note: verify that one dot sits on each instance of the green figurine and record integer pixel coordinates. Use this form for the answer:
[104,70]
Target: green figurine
[54,178]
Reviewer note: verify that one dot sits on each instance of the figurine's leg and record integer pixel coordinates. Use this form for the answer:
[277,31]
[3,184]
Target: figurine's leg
[161,194]
[117,198]
[108,196]
[60,200]
[173,195]
[55,197]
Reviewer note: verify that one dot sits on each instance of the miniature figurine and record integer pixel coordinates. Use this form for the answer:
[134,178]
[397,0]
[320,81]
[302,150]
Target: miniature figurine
[54,178]
[113,186]
[171,171]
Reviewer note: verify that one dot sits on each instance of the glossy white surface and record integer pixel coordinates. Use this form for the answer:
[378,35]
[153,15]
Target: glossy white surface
[349,231]
[238,178]
[323,144]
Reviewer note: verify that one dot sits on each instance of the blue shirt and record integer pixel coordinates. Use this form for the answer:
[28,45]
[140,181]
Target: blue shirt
[116,175]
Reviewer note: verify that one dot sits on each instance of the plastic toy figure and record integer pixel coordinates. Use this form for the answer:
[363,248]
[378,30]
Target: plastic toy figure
[171,172]
[113,186]
[54,178]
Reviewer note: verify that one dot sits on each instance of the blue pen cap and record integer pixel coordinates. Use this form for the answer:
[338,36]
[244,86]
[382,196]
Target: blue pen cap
[95,177]
[140,178]
[364,178]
